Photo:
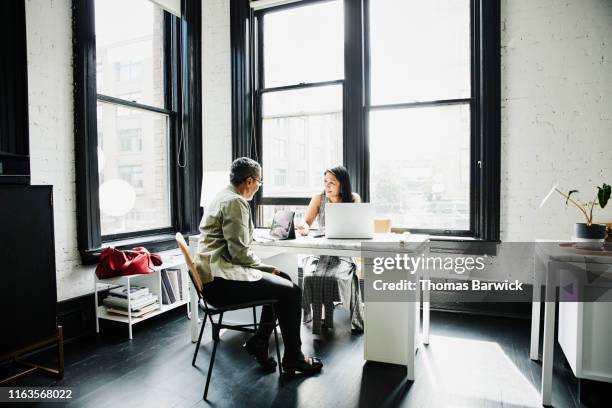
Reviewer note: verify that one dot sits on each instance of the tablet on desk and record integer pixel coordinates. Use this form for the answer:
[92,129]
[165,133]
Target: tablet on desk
[282,228]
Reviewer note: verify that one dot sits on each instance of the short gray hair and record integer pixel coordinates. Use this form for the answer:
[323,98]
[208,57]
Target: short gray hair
[243,168]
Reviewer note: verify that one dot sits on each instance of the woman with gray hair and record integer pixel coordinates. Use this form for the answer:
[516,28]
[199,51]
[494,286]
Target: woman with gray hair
[237,275]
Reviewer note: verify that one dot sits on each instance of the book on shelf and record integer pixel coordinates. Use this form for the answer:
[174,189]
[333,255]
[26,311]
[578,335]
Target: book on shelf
[168,286]
[179,275]
[139,313]
[118,302]
[135,291]
[180,279]
[165,298]
[174,282]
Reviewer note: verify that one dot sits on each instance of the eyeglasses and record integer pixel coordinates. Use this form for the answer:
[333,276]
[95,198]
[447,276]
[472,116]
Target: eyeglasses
[260,181]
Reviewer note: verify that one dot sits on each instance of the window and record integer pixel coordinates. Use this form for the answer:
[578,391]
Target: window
[404,93]
[280,177]
[137,183]
[123,196]
[300,178]
[128,71]
[301,151]
[281,148]
[132,49]
[133,175]
[130,140]
[294,53]
[420,113]
[123,111]
[301,98]
[416,166]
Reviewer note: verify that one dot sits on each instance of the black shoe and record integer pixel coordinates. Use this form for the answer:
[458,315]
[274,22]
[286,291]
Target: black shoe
[302,364]
[258,348]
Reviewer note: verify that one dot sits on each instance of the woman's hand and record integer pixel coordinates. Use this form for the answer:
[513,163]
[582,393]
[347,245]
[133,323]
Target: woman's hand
[303,229]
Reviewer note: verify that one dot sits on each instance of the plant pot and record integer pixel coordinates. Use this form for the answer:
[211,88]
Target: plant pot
[590,232]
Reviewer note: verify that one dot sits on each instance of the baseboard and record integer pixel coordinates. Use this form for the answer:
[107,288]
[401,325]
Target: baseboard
[594,394]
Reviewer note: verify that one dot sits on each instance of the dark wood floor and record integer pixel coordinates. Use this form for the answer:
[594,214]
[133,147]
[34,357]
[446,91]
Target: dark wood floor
[472,361]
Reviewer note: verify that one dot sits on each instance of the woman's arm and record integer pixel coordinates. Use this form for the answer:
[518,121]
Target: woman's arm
[313,208]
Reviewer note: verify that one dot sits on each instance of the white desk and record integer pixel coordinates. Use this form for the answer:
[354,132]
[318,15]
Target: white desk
[378,345]
[549,261]
[386,340]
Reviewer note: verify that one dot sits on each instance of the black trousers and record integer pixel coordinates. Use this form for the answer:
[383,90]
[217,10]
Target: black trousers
[222,292]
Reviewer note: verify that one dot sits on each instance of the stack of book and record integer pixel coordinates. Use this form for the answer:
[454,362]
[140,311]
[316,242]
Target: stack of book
[142,301]
[172,286]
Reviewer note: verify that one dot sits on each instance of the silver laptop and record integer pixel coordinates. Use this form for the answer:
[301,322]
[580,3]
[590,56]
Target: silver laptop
[349,220]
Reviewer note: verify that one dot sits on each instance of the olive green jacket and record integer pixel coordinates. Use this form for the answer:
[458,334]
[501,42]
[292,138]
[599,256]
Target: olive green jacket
[226,234]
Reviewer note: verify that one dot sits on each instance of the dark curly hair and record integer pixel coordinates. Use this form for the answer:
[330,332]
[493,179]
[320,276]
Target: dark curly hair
[243,168]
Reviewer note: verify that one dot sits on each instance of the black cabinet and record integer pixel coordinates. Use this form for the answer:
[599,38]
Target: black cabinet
[28,294]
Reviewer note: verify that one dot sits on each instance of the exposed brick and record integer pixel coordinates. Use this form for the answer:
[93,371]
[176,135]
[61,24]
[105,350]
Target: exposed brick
[556,98]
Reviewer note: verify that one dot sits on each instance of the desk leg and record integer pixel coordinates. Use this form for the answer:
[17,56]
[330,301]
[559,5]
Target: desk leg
[426,311]
[193,299]
[413,312]
[415,325]
[391,330]
[534,350]
[549,335]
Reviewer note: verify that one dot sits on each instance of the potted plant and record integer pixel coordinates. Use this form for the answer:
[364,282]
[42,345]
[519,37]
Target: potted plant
[586,230]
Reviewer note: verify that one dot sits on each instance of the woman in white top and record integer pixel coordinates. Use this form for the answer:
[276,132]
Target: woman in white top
[319,288]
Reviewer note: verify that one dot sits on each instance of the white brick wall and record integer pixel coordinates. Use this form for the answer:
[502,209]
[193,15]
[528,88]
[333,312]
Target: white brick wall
[49,42]
[556,61]
[216,86]
[556,116]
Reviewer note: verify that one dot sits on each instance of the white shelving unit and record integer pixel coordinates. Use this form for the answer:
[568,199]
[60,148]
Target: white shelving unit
[171,260]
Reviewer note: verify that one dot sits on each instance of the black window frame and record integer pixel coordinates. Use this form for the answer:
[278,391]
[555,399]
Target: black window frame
[471,101]
[182,105]
[261,89]
[484,100]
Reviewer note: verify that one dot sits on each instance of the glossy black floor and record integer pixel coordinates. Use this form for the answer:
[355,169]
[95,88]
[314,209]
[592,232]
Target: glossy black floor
[472,361]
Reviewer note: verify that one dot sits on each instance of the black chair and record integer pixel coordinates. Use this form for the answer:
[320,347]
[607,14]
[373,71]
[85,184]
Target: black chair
[210,311]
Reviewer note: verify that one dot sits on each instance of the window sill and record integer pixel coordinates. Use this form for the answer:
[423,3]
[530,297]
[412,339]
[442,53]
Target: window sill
[153,243]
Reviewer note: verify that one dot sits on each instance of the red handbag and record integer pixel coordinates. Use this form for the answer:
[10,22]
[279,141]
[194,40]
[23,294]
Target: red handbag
[114,262]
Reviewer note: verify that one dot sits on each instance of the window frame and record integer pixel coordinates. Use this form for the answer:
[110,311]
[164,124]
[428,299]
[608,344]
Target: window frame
[260,90]
[182,87]
[484,109]
[471,102]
